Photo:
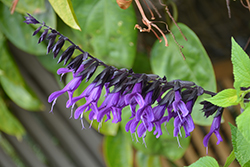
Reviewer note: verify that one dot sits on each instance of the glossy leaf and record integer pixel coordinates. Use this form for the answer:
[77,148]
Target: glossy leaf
[66,12]
[224,98]
[14,85]
[241,68]
[118,151]
[27,6]
[166,144]
[48,16]
[141,64]
[107,31]
[106,128]
[49,63]
[19,33]
[241,145]
[205,162]
[9,123]
[146,160]
[168,61]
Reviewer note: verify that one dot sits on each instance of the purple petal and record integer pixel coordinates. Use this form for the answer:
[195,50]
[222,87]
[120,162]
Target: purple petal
[56,94]
[63,71]
[80,110]
[183,108]
[141,130]
[127,127]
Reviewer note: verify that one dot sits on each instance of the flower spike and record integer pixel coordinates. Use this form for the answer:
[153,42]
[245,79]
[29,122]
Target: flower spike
[171,99]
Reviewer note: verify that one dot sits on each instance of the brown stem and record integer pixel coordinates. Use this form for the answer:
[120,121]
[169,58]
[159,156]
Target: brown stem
[148,23]
[152,14]
[246,6]
[169,14]
[159,15]
[13,7]
[228,8]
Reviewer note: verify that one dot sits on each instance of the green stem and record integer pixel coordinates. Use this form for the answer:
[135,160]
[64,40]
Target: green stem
[230,159]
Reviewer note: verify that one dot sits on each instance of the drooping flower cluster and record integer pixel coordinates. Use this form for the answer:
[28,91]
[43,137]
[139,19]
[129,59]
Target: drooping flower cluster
[173,99]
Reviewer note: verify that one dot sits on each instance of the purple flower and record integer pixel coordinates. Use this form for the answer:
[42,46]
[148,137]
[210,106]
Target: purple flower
[91,94]
[144,114]
[114,102]
[129,88]
[69,88]
[179,105]
[187,123]
[159,118]
[134,98]
[31,20]
[215,127]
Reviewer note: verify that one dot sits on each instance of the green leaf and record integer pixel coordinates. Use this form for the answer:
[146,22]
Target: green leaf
[197,67]
[49,63]
[27,6]
[243,123]
[106,128]
[19,33]
[14,85]
[241,68]
[166,145]
[224,98]
[241,146]
[146,160]
[48,16]
[117,151]
[205,162]
[107,31]
[9,124]
[141,64]
[66,12]
[247,164]
[230,159]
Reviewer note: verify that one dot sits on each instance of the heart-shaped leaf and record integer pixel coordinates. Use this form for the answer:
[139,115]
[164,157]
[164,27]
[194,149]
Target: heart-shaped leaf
[107,31]
[197,67]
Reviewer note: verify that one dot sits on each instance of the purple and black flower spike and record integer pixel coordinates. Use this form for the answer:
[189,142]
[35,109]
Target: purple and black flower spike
[31,20]
[171,99]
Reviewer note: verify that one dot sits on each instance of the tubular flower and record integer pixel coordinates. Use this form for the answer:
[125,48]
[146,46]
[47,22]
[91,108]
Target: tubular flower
[92,95]
[171,99]
[69,88]
[215,127]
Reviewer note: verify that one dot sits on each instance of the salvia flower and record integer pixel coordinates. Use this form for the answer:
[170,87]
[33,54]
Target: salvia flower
[215,127]
[171,99]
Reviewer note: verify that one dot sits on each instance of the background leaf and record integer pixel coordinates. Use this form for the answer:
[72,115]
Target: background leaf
[197,67]
[107,31]
[224,98]
[9,123]
[27,6]
[19,33]
[117,151]
[48,16]
[145,160]
[14,85]
[66,12]
[205,162]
